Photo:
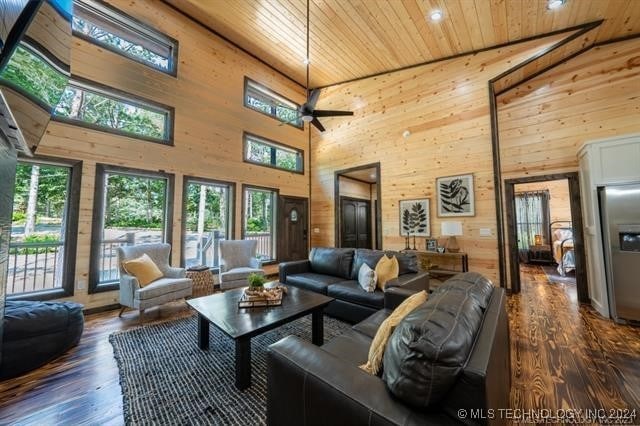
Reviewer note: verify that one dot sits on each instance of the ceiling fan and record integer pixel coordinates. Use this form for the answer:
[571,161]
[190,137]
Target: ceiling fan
[307,111]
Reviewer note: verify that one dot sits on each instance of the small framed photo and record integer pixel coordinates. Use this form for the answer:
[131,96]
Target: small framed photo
[455,196]
[432,244]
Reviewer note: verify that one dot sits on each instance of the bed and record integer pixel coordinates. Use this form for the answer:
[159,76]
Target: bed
[561,232]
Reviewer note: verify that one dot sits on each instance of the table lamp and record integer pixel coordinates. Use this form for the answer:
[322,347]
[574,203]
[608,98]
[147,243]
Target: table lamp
[451,230]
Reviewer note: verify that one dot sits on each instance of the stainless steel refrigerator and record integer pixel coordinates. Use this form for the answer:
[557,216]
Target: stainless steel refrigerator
[620,215]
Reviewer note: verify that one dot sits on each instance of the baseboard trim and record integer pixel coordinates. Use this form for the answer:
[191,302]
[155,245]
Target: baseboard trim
[99,309]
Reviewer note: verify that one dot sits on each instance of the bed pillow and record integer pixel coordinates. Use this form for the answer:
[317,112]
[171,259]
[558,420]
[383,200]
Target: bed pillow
[562,234]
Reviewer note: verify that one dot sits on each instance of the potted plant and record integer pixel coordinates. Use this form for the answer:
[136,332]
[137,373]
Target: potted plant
[256,282]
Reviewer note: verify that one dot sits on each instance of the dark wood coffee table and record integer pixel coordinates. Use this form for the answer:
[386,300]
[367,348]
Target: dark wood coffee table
[241,324]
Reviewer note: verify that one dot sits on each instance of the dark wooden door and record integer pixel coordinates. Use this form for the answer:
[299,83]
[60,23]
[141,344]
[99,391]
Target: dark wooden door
[355,223]
[292,228]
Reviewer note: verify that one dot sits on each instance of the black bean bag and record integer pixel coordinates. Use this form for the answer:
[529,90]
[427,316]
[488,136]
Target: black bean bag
[35,333]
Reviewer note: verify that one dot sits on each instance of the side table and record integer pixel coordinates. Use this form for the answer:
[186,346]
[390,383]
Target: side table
[202,282]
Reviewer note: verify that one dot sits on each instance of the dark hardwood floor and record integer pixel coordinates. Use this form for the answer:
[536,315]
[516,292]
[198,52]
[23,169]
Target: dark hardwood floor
[563,356]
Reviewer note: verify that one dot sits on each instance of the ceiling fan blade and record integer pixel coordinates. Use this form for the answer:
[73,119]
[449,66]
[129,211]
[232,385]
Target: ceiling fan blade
[329,113]
[313,98]
[318,125]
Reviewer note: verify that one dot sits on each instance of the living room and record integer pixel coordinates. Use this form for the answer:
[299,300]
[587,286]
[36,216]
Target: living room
[493,94]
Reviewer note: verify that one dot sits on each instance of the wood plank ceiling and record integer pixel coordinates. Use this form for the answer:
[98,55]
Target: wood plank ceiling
[356,38]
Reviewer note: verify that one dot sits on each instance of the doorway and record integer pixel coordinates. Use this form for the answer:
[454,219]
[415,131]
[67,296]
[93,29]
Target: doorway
[544,231]
[292,228]
[355,223]
[357,210]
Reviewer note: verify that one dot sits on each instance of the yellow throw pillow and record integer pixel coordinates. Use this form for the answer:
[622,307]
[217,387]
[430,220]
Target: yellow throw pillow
[143,268]
[386,270]
[379,342]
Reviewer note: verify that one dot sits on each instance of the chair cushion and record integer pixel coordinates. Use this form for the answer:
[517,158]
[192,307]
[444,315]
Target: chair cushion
[163,286]
[143,268]
[239,273]
[313,282]
[331,261]
[351,347]
[351,291]
[237,253]
[386,269]
[429,348]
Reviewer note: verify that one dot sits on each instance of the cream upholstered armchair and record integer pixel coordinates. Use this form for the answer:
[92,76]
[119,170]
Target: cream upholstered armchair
[172,286]
[238,260]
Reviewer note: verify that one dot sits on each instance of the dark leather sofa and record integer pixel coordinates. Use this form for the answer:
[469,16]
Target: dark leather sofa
[334,272]
[449,354]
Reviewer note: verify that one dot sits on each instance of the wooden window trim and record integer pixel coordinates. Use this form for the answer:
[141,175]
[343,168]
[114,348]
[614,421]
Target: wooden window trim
[274,218]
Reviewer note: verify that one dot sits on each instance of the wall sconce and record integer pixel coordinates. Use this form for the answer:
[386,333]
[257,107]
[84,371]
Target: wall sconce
[451,230]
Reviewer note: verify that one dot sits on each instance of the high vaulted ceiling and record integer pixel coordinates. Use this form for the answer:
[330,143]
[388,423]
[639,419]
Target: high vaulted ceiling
[356,38]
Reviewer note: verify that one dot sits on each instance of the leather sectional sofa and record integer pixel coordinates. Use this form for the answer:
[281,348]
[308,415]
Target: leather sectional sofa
[448,357]
[334,272]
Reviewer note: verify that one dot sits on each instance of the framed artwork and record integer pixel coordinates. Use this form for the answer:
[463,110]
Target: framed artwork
[455,196]
[414,218]
[431,244]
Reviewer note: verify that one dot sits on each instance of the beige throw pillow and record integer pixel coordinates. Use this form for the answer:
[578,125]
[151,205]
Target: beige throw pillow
[143,268]
[367,278]
[379,342]
[387,269]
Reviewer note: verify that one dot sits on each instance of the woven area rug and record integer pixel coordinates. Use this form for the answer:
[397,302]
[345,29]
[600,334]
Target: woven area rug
[166,379]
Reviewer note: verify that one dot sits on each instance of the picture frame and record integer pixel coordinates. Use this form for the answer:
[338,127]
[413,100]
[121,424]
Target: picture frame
[415,218]
[456,196]
[431,244]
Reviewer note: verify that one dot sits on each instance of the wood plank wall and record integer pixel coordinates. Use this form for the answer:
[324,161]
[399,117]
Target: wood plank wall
[544,123]
[445,106]
[210,118]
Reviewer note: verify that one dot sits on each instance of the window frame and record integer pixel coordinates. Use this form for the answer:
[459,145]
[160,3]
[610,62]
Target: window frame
[274,95]
[275,145]
[97,222]
[274,218]
[71,230]
[131,24]
[231,214]
[125,97]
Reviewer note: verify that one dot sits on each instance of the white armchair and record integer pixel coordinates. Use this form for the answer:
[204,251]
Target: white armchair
[238,260]
[173,285]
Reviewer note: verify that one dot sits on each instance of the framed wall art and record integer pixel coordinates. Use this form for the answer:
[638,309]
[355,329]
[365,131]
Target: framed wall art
[455,196]
[414,218]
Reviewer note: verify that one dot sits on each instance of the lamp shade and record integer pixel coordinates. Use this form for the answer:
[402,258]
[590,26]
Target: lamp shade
[451,228]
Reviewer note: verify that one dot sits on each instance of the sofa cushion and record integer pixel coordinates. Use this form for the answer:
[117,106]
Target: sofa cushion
[313,282]
[163,286]
[351,347]
[472,283]
[351,291]
[331,261]
[429,348]
[407,262]
[370,325]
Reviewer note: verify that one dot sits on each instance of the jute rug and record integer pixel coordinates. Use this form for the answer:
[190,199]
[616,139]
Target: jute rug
[167,380]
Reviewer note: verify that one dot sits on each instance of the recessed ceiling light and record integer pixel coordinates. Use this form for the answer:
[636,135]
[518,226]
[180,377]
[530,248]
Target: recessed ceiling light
[554,4]
[436,15]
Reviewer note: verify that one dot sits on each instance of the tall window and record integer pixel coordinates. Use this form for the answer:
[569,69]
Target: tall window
[102,108]
[532,218]
[206,220]
[43,230]
[114,30]
[265,152]
[259,224]
[132,207]
[266,101]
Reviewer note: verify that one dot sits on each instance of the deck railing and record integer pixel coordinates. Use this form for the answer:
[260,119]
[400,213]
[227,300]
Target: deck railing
[35,266]
[109,269]
[265,245]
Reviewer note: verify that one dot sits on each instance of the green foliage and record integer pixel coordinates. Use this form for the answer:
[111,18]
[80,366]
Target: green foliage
[133,49]
[267,154]
[257,224]
[35,76]
[37,238]
[215,207]
[52,191]
[94,108]
[135,202]
[256,280]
